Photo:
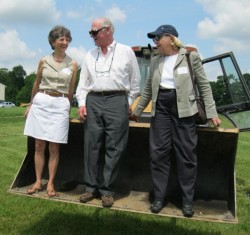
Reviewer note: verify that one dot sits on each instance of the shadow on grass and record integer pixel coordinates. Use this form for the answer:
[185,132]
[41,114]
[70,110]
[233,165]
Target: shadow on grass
[104,222]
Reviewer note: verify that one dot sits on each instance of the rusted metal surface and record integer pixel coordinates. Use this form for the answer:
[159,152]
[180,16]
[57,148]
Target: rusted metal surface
[215,197]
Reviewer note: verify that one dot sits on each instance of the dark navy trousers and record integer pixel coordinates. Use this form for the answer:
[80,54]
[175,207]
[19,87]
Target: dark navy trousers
[169,133]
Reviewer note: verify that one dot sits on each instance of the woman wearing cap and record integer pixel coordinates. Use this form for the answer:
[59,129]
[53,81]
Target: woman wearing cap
[173,127]
[48,113]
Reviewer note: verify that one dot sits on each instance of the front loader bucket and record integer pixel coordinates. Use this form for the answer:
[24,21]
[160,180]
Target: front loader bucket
[215,197]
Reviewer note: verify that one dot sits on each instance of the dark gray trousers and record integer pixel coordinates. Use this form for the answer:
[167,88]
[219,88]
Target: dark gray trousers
[168,133]
[107,126]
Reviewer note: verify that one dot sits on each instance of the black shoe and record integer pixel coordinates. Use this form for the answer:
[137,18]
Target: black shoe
[156,206]
[187,210]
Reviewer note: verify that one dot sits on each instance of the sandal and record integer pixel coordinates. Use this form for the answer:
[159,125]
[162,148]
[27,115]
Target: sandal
[51,193]
[34,189]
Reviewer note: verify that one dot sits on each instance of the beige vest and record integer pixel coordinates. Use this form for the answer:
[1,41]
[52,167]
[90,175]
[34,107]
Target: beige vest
[54,77]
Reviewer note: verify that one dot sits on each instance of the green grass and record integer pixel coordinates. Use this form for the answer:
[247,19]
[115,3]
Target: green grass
[24,215]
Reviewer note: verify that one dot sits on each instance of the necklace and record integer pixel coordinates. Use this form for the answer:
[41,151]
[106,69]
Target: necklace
[58,60]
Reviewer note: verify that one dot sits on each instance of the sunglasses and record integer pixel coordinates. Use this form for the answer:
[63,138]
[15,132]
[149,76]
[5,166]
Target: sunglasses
[94,33]
[158,37]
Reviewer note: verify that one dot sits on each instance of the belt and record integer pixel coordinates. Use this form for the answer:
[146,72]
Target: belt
[166,89]
[53,93]
[107,93]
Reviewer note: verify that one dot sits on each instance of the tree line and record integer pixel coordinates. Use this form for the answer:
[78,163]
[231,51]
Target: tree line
[19,86]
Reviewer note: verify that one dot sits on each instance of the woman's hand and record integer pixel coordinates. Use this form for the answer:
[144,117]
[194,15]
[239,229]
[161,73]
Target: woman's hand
[133,117]
[216,121]
[27,111]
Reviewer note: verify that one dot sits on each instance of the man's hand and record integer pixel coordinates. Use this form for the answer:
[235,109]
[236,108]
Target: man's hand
[82,112]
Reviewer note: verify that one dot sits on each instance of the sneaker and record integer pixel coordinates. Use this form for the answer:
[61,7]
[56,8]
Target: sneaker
[107,201]
[86,197]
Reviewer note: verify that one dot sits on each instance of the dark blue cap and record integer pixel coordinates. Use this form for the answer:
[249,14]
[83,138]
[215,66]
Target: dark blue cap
[168,29]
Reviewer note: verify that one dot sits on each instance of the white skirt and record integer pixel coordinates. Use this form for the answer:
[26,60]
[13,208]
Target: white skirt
[48,118]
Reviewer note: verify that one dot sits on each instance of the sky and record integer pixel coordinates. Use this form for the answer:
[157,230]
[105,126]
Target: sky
[213,26]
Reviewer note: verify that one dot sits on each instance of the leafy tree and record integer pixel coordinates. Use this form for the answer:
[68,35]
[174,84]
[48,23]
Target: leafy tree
[24,94]
[19,74]
[19,86]
[3,76]
[247,78]
[15,81]
[220,92]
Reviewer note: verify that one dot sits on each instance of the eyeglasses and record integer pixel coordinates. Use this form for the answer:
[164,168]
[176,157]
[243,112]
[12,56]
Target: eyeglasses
[104,73]
[158,37]
[93,33]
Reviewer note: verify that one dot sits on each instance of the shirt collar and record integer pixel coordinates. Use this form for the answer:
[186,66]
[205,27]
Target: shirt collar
[110,47]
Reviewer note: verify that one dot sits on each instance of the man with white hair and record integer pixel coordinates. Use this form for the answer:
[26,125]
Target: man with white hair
[109,83]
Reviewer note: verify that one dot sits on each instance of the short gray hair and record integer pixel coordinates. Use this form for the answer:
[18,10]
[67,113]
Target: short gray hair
[57,32]
[107,23]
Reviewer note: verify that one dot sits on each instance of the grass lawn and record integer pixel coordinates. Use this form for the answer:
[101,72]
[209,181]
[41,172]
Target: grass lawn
[24,215]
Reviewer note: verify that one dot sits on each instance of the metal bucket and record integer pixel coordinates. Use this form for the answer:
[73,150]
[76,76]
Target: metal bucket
[215,196]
